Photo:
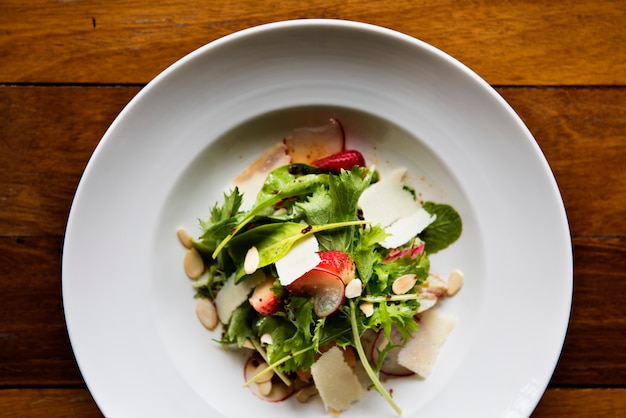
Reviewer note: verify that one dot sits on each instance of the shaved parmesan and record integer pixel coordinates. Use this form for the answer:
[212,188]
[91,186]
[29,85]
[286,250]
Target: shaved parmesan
[420,352]
[232,295]
[386,201]
[336,381]
[388,204]
[405,228]
[301,258]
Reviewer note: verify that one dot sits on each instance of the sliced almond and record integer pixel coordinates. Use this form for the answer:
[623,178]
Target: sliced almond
[267,376]
[353,289]
[403,284]
[265,388]
[252,260]
[267,339]
[193,264]
[184,238]
[303,395]
[206,313]
[455,282]
[367,308]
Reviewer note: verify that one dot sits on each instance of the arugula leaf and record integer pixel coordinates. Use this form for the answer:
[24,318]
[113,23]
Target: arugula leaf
[274,240]
[279,185]
[445,230]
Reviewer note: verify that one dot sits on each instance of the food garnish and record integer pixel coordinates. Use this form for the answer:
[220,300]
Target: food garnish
[320,268]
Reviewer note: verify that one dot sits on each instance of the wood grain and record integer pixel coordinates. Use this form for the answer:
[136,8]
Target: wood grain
[576,403]
[47,134]
[67,68]
[556,403]
[595,347]
[47,403]
[34,345]
[582,132]
[508,43]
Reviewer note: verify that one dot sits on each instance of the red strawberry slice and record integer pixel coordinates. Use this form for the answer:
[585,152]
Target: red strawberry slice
[341,160]
[339,263]
[264,300]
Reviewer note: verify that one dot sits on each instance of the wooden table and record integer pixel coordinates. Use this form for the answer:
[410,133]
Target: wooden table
[68,67]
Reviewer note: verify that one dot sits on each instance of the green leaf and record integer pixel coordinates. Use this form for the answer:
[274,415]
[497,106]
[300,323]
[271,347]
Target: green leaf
[366,254]
[336,201]
[288,338]
[279,185]
[273,241]
[445,230]
[240,327]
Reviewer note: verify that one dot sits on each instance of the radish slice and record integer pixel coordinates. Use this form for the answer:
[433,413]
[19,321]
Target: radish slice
[279,392]
[327,290]
[306,145]
[390,365]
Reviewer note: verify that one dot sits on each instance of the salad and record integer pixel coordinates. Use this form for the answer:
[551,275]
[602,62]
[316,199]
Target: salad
[319,266]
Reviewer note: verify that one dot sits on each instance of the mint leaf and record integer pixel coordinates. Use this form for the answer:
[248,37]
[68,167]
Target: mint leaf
[444,231]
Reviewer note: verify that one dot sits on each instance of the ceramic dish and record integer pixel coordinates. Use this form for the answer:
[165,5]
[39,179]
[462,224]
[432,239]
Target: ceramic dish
[172,151]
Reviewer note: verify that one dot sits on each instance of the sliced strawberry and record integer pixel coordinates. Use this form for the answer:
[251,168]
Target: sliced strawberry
[264,300]
[341,160]
[325,288]
[339,263]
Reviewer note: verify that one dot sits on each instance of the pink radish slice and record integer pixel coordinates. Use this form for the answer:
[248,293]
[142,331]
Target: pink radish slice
[390,365]
[280,391]
[326,288]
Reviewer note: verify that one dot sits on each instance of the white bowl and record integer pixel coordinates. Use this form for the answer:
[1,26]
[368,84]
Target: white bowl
[172,151]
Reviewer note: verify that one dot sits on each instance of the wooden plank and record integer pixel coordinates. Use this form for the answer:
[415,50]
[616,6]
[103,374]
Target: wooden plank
[555,403]
[582,403]
[38,175]
[582,132]
[595,347]
[46,139]
[45,403]
[34,345]
[522,42]
[35,348]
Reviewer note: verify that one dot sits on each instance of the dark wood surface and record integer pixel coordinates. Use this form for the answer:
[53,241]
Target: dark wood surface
[68,68]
